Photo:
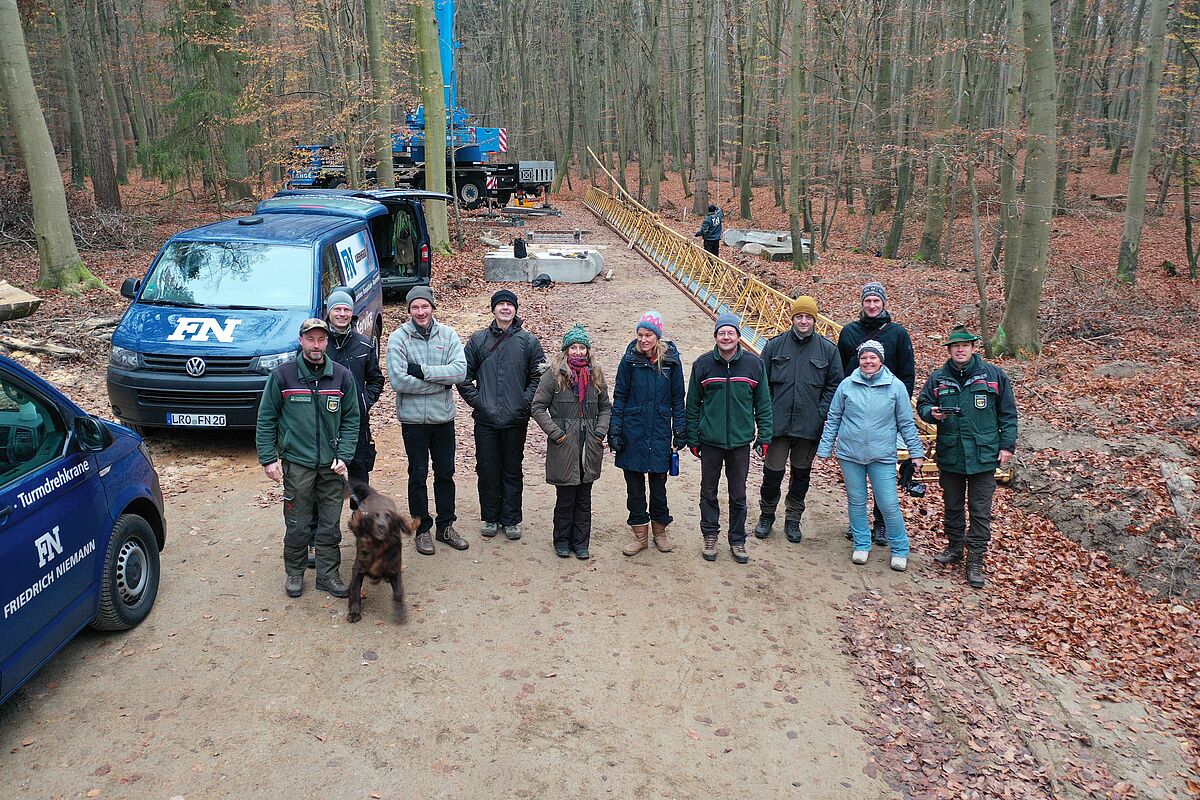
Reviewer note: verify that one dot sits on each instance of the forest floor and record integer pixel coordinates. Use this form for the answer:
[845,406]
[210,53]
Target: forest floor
[1074,674]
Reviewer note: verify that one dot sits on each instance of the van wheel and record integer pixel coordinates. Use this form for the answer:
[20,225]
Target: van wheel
[130,579]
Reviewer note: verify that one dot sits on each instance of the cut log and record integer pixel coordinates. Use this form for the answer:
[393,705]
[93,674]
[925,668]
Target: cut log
[16,303]
[58,351]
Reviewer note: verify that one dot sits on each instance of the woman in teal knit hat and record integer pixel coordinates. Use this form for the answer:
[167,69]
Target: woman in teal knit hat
[571,405]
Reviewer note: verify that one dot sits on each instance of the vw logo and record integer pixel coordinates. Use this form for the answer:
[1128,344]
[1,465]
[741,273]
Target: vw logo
[195,366]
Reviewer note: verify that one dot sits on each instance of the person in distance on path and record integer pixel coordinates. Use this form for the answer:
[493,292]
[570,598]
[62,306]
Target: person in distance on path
[571,405]
[803,372]
[711,229]
[504,363]
[648,425]
[727,399]
[972,404]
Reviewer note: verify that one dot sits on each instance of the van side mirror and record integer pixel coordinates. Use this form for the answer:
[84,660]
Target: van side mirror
[91,434]
[130,287]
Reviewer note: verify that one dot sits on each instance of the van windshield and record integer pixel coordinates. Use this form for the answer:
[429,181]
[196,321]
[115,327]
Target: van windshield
[242,274]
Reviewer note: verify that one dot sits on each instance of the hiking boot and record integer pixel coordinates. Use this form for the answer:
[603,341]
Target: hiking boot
[710,547]
[512,532]
[763,529]
[792,530]
[294,585]
[489,530]
[879,536]
[641,540]
[661,539]
[952,554]
[333,584]
[448,535]
[424,543]
[859,556]
[562,551]
[899,563]
[738,551]
[312,558]
[975,570]
[582,553]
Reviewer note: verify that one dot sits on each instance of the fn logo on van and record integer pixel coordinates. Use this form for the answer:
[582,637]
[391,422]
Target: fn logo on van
[198,328]
[48,546]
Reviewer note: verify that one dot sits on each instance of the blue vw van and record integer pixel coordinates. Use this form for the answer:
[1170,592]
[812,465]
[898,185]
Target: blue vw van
[81,524]
[221,306]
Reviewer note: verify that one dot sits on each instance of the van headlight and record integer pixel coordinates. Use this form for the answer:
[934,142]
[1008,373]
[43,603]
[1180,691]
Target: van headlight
[267,363]
[120,357]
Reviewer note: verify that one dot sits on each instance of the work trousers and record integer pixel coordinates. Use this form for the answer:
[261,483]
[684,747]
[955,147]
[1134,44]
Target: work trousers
[960,491]
[498,456]
[736,463]
[573,516]
[306,489]
[798,454]
[422,444]
[635,497]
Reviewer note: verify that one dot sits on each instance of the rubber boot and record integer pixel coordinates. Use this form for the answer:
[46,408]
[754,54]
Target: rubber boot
[768,501]
[975,569]
[952,554]
[641,536]
[662,540]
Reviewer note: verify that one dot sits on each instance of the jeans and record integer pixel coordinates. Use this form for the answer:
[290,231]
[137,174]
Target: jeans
[904,479]
[498,455]
[736,463]
[959,491]
[635,497]
[423,443]
[573,516]
[883,484]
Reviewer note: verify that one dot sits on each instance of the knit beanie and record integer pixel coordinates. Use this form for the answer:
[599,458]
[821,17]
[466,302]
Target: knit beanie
[871,346]
[804,305]
[420,293]
[577,335]
[652,321]
[874,288]
[727,319]
[338,297]
[503,296]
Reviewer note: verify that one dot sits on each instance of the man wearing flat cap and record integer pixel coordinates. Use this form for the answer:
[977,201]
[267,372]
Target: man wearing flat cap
[504,364]
[306,434]
[971,403]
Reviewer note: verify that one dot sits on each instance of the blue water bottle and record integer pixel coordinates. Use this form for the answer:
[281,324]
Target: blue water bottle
[674,463]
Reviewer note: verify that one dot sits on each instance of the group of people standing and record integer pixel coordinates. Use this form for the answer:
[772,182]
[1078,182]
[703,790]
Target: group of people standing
[804,398]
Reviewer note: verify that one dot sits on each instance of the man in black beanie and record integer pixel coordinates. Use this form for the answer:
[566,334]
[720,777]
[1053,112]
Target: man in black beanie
[504,364]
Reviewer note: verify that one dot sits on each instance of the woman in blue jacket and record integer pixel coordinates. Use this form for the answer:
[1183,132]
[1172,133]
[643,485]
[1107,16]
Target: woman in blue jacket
[869,410]
[648,425]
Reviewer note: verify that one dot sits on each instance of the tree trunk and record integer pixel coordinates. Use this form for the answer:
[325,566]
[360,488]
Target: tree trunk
[798,180]
[1068,89]
[1139,166]
[79,165]
[935,185]
[377,65]
[97,125]
[746,121]
[700,163]
[1018,333]
[61,266]
[432,95]
[1009,145]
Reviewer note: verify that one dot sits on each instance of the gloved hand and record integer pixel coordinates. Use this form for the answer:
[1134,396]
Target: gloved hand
[695,450]
[616,442]
[679,441]
[416,371]
[761,449]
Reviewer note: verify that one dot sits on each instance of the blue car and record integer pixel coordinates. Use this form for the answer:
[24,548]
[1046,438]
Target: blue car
[81,524]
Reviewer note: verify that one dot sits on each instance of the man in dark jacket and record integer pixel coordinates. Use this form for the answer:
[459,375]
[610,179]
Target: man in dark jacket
[307,430]
[504,363]
[874,322]
[358,354]
[972,404]
[727,399]
[803,372]
[711,229]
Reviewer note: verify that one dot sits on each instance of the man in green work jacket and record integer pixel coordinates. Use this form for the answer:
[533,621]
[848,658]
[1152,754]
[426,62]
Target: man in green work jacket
[971,403]
[307,432]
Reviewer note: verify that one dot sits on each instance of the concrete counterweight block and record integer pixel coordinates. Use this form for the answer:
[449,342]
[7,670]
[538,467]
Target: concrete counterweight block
[563,265]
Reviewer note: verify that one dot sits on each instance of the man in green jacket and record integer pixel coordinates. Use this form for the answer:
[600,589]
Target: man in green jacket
[307,432]
[971,403]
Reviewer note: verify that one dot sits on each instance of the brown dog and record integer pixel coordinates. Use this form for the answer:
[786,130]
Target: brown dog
[377,528]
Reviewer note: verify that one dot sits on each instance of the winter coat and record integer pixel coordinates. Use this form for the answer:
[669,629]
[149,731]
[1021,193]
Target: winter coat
[356,353]
[503,368]
[713,226]
[897,346]
[427,401]
[803,374]
[648,410]
[865,417]
[726,400]
[307,415]
[581,455]
[970,442]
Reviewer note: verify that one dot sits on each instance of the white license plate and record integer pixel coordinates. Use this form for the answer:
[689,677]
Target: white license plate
[197,420]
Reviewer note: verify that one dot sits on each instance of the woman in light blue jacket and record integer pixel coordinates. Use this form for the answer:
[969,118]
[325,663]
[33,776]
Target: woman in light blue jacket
[869,410]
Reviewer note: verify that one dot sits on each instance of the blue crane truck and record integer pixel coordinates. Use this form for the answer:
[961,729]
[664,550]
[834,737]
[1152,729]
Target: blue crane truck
[469,174]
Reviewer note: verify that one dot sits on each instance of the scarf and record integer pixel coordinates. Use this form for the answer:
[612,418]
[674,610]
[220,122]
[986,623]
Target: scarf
[581,376]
